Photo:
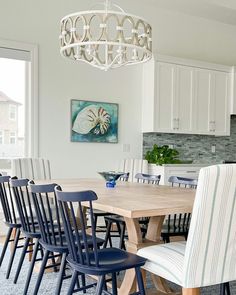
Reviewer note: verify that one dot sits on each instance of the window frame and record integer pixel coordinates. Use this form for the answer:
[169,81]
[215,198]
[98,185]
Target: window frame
[13,136]
[11,107]
[31,100]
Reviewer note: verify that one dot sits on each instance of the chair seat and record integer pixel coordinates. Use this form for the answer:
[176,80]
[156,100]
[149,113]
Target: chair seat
[62,246]
[165,260]
[13,225]
[110,260]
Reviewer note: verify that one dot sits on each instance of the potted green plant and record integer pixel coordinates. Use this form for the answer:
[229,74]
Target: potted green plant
[160,155]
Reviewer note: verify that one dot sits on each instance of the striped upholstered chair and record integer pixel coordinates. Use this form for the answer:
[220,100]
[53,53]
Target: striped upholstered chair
[31,168]
[209,255]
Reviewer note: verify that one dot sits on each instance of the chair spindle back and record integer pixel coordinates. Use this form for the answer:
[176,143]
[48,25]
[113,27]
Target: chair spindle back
[7,202]
[47,213]
[79,249]
[147,178]
[24,204]
[181,222]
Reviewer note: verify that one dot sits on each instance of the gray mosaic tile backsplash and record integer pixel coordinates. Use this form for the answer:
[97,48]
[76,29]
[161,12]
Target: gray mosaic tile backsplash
[197,148]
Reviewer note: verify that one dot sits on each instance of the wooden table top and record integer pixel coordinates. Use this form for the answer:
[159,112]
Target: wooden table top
[133,200]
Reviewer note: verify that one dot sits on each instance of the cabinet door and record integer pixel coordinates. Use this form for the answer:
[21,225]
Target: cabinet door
[184,99]
[148,97]
[165,97]
[202,103]
[220,103]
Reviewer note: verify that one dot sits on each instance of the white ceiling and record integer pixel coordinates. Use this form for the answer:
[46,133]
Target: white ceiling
[219,10]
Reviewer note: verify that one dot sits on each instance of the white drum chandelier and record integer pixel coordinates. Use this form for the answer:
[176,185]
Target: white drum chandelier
[107,38]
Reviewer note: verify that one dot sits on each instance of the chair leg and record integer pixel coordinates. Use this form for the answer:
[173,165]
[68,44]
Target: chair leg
[5,244]
[114,284]
[108,235]
[100,284]
[32,263]
[61,274]
[95,221]
[41,272]
[72,283]
[224,289]
[83,282]
[22,257]
[167,239]
[122,237]
[13,252]
[140,281]
[227,287]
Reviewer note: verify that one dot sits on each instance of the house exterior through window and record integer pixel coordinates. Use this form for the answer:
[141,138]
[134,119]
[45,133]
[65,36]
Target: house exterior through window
[18,104]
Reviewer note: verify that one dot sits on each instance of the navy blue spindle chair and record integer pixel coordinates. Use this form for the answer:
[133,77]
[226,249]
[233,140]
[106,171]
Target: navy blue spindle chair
[52,235]
[30,228]
[11,220]
[52,232]
[148,178]
[98,262]
[178,224]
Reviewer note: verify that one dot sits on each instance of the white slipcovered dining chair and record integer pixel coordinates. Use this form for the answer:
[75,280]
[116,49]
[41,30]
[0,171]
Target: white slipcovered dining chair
[133,166]
[209,255]
[31,168]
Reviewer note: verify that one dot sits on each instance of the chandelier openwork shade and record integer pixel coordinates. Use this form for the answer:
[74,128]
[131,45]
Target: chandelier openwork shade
[107,38]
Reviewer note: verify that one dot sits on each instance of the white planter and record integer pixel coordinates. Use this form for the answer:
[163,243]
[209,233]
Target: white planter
[154,169]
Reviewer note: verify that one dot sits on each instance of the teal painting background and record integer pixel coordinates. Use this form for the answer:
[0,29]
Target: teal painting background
[111,136]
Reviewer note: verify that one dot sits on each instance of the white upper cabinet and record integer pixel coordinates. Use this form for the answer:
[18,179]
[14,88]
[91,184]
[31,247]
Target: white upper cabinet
[165,102]
[221,102]
[180,98]
[183,109]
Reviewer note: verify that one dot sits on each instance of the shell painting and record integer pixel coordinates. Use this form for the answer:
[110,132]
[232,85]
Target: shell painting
[94,121]
[92,118]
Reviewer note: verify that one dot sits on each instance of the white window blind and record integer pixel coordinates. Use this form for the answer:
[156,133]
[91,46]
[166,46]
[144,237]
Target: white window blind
[15,54]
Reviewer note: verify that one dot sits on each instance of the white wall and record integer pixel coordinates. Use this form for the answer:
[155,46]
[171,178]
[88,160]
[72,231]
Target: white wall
[61,80]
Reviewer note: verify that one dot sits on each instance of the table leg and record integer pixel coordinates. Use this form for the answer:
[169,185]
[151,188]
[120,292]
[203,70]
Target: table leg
[135,243]
[135,239]
[13,236]
[194,291]
[154,228]
[30,248]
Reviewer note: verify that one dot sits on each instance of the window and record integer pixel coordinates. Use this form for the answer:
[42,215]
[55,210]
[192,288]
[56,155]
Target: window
[12,112]
[19,67]
[13,137]
[18,104]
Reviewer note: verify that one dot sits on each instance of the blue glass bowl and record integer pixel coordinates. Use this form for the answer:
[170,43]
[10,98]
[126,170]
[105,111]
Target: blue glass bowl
[111,177]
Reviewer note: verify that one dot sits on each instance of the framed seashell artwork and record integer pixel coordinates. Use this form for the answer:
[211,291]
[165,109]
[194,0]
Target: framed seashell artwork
[94,121]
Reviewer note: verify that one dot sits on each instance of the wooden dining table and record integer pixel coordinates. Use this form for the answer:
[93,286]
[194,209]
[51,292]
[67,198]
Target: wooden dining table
[134,201]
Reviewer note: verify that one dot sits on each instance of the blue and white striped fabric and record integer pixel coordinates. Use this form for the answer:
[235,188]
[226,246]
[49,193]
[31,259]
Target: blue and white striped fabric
[209,256]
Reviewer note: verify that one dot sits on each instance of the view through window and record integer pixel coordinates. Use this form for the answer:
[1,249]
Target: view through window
[12,110]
